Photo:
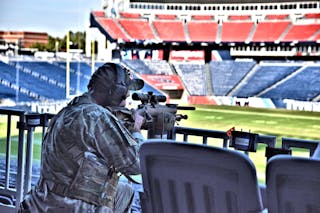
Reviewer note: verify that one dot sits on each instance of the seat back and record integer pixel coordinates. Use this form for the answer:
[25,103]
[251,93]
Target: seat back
[180,178]
[293,184]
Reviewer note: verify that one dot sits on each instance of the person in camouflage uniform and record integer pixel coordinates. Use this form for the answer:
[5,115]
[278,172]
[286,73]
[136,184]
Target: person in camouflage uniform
[86,148]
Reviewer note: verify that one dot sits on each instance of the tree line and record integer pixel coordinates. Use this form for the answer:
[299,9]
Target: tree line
[56,44]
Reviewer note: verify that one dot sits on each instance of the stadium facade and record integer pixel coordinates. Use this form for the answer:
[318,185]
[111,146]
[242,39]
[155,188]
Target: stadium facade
[248,53]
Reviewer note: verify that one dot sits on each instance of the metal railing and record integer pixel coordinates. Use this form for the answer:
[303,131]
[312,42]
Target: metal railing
[17,181]
[311,145]
[14,194]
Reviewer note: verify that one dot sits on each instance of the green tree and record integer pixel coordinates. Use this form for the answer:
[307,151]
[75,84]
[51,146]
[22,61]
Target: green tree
[77,41]
[52,43]
[40,47]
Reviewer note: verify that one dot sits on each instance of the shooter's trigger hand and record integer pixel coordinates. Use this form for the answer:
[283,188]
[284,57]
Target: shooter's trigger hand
[139,119]
[141,111]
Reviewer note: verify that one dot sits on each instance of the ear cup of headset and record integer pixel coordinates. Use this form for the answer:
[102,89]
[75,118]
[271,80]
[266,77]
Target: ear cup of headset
[120,90]
[117,94]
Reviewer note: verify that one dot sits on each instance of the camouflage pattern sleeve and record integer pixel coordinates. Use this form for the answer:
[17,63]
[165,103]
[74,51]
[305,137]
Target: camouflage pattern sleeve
[115,143]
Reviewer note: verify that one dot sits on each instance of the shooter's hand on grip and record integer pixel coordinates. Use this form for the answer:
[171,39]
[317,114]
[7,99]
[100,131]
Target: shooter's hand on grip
[139,119]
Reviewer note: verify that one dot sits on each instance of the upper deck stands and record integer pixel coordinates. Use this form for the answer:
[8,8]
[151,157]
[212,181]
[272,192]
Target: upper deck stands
[312,15]
[170,30]
[276,16]
[206,28]
[112,28]
[239,17]
[301,32]
[236,31]
[138,28]
[98,13]
[269,31]
[129,15]
[166,16]
[202,30]
[202,17]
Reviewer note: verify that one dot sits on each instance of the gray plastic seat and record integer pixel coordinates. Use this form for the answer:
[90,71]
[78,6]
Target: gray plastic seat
[293,184]
[180,178]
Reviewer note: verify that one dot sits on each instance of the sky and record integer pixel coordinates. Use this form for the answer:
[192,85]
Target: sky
[54,17]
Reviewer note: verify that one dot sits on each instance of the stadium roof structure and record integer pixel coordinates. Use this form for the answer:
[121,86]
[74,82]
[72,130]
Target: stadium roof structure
[214,1]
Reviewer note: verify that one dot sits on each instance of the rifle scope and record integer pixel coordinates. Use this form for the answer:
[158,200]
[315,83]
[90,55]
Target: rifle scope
[148,97]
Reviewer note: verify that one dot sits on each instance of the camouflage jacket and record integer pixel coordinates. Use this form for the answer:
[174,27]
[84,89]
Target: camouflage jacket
[83,127]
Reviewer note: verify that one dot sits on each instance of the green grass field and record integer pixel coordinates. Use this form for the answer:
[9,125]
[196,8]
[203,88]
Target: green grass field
[276,122]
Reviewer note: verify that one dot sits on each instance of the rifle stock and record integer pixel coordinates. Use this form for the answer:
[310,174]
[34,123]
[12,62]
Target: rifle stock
[159,117]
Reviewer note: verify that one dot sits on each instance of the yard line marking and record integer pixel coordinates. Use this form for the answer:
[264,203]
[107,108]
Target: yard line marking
[262,113]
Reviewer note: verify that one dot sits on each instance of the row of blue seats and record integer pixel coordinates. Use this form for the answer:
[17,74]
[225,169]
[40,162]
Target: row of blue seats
[268,79]
[42,78]
[48,80]
[236,78]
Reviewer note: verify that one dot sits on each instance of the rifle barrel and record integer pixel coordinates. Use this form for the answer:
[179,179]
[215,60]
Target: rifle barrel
[185,108]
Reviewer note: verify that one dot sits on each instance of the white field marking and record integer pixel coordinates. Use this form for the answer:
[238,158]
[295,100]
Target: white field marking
[262,113]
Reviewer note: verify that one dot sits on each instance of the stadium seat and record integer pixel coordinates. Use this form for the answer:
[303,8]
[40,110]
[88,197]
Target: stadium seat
[182,177]
[130,15]
[293,184]
[112,27]
[301,32]
[236,31]
[98,13]
[239,17]
[202,31]
[170,30]
[166,16]
[276,16]
[137,28]
[269,31]
[202,17]
[312,15]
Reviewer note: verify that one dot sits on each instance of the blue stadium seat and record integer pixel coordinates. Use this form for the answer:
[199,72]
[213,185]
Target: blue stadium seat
[138,66]
[265,76]
[225,75]
[303,86]
[182,177]
[193,76]
[293,184]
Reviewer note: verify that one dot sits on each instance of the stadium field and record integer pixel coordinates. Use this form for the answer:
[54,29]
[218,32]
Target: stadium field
[281,123]
[277,122]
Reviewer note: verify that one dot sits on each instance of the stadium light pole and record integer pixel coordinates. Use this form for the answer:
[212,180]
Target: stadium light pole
[92,56]
[17,70]
[68,66]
